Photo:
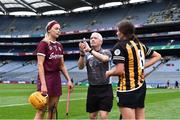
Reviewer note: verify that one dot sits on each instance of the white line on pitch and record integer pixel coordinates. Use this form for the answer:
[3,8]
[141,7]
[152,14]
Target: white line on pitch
[11,105]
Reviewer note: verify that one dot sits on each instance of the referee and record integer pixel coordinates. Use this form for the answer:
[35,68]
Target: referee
[97,62]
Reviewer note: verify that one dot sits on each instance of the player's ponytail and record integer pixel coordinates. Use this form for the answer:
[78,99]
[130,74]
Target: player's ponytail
[136,39]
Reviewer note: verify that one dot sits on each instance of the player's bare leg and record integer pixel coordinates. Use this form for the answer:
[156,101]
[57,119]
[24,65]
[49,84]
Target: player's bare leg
[127,113]
[103,115]
[53,103]
[140,113]
[93,116]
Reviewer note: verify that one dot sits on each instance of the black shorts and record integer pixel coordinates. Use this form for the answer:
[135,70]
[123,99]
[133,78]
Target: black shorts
[132,99]
[99,97]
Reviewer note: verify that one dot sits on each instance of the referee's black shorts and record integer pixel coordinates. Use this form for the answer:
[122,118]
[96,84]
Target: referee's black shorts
[99,97]
[133,99]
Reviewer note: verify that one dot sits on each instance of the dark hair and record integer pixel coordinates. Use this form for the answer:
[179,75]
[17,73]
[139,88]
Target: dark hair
[127,28]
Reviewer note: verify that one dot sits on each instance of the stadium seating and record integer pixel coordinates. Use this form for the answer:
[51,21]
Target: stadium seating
[168,71]
[141,13]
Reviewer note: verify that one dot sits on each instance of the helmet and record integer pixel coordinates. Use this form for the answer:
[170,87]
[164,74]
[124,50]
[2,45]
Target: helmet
[37,100]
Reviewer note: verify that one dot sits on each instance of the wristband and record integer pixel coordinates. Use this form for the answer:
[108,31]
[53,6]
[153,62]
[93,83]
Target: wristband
[91,51]
[82,55]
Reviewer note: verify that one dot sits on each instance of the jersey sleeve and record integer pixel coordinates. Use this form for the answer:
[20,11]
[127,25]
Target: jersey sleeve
[108,53]
[41,48]
[118,56]
[148,52]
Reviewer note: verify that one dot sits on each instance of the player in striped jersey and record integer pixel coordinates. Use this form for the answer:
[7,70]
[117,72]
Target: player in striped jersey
[129,58]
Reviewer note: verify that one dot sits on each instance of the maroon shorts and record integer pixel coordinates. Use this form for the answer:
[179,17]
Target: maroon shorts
[53,82]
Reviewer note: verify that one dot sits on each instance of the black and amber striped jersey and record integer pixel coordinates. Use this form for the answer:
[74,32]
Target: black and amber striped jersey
[132,55]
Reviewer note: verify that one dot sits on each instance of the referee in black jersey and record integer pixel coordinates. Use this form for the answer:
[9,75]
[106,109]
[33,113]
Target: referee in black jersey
[97,62]
[129,56]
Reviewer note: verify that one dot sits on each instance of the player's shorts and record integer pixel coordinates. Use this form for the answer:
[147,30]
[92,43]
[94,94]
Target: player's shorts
[99,97]
[53,83]
[132,99]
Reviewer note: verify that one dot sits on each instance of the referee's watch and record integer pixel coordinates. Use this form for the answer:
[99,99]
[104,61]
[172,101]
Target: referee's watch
[91,50]
[82,55]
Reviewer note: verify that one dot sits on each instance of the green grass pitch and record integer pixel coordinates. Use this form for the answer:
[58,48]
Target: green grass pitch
[160,103]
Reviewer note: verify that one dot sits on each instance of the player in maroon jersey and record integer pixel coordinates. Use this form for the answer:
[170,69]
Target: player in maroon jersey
[50,62]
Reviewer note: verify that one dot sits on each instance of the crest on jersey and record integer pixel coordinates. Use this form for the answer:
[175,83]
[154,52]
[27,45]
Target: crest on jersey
[117,52]
[50,47]
[55,47]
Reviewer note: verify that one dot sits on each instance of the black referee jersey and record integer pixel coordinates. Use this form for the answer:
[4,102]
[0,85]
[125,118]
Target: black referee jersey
[132,55]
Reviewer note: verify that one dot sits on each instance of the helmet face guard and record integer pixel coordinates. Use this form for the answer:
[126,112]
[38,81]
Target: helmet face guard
[38,101]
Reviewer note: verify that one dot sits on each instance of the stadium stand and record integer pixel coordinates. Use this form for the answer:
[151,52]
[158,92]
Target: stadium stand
[141,13]
[170,13]
[157,23]
[167,71]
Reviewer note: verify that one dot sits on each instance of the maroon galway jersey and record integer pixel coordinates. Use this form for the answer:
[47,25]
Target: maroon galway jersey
[52,51]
